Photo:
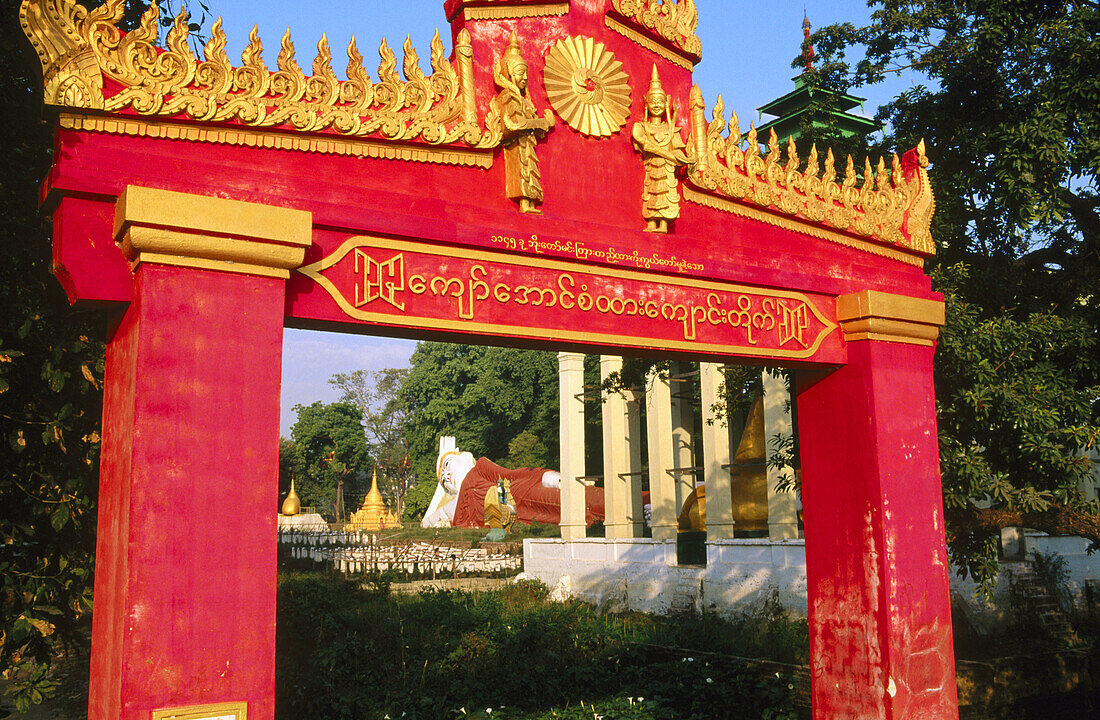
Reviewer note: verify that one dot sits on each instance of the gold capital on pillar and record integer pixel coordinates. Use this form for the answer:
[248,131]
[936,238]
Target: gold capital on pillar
[873,315]
[174,228]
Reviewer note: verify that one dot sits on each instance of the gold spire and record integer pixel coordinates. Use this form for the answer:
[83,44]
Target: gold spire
[512,56]
[373,500]
[372,516]
[292,505]
[655,87]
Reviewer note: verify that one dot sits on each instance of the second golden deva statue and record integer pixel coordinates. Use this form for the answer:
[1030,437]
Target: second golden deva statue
[520,126]
[663,150]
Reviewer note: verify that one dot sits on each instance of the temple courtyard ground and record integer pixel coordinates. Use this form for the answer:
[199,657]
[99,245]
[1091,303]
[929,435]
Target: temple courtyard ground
[490,648]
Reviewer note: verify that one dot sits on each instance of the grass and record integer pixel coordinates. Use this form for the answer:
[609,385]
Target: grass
[348,649]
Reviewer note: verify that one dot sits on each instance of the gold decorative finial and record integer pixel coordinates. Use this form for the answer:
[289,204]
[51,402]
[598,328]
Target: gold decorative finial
[292,505]
[807,47]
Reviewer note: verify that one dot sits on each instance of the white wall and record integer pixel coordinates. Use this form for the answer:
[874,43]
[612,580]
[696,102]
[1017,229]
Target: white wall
[642,574]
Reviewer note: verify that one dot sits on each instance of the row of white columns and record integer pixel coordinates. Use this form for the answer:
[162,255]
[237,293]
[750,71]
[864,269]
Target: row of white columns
[670,435]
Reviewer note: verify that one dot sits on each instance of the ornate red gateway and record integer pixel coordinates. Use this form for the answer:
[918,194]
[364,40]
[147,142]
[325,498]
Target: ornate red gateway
[554,182]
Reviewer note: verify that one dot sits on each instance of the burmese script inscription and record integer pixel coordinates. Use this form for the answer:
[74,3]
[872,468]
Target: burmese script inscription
[582,251]
[417,285]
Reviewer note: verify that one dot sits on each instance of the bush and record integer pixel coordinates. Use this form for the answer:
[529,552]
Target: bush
[349,651]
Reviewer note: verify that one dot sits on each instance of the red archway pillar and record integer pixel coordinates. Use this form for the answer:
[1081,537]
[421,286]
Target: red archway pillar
[876,558]
[184,611]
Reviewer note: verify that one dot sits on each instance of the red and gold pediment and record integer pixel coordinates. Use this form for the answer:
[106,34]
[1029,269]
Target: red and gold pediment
[564,136]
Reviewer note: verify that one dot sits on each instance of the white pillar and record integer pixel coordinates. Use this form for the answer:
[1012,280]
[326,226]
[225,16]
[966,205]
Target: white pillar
[622,458]
[782,509]
[635,508]
[571,436]
[662,486]
[683,431]
[616,458]
[716,456]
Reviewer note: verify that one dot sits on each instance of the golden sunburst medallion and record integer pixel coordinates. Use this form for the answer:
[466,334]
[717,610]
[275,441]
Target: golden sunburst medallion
[587,86]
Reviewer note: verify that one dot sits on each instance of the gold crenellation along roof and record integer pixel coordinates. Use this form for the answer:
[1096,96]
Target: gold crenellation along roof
[892,206]
[79,48]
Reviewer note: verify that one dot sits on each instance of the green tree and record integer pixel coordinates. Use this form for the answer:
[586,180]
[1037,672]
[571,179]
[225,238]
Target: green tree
[51,370]
[377,395]
[526,450]
[330,454]
[1009,108]
[485,397]
[51,380]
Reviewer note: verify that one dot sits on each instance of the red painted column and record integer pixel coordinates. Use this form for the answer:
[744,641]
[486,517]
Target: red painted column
[184,606]
[876,558]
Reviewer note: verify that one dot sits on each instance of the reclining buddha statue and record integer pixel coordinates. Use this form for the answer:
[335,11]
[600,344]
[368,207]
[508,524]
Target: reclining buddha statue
[534,494]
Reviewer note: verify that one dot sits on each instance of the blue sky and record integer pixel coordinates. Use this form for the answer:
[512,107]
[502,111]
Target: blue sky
[747,50]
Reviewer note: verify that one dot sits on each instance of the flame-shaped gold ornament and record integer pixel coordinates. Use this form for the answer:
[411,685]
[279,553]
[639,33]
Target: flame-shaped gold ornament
[587,86]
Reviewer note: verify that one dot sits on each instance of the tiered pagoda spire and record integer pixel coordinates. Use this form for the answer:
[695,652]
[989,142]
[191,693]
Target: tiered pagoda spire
[814,104]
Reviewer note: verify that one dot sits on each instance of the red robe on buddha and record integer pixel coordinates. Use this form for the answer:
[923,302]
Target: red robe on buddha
[533,502]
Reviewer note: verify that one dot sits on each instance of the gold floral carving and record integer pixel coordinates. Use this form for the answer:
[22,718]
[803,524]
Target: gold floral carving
[653,46]
[70,70]
[587,86]
[675,22]
[513,117]
[892,206]
[79,49]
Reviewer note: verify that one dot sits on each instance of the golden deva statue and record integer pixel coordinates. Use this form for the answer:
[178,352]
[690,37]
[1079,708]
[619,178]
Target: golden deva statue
[663,150]
[520,126]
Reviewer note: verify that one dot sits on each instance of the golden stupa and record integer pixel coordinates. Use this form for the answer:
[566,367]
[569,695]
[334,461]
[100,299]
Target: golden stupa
[749,481]
[373,516]
[292,505]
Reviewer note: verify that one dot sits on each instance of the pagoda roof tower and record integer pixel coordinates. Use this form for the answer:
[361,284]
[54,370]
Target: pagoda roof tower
[810,101]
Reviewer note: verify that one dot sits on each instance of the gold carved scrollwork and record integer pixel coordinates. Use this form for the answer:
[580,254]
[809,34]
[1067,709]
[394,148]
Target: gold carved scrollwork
[70,71]
[674,21]
[892,205]
[587,86]
[78,49]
